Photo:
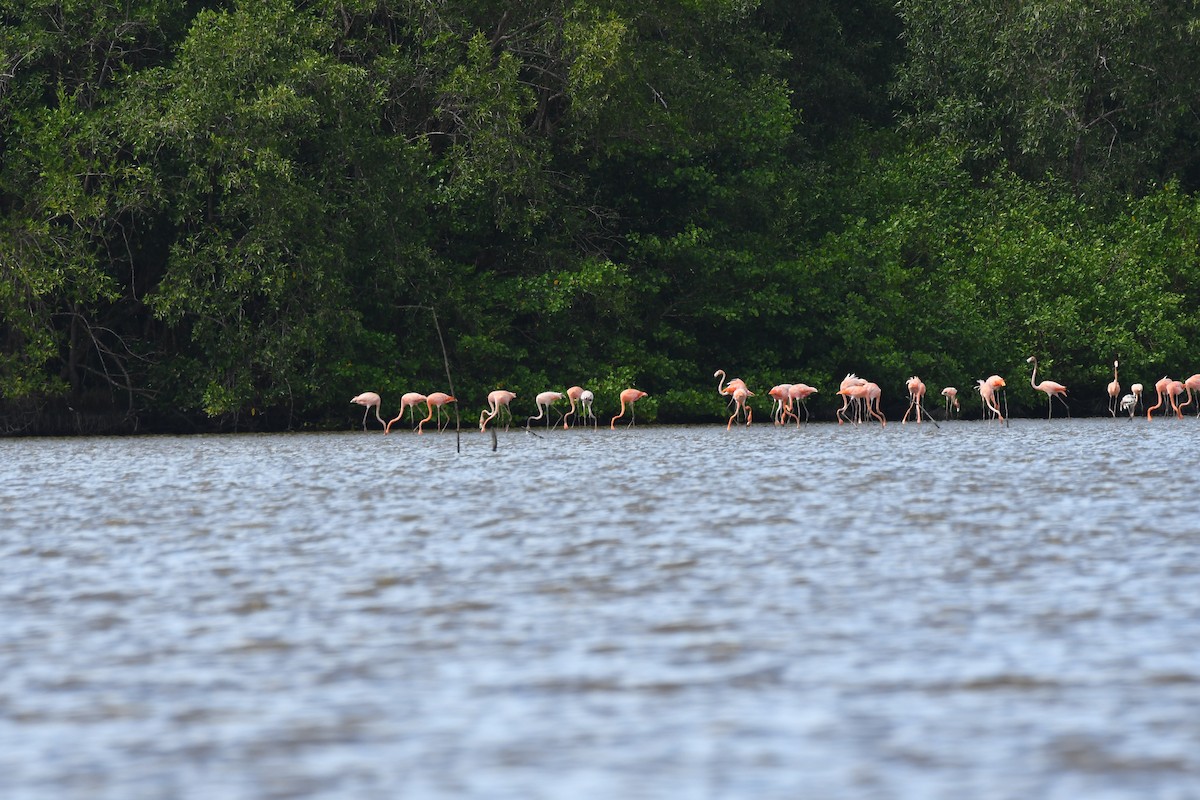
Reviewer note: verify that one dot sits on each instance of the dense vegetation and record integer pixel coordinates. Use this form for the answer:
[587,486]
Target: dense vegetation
[238,214]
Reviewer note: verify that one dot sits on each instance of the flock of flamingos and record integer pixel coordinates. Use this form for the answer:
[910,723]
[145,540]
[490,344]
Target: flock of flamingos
[860,401]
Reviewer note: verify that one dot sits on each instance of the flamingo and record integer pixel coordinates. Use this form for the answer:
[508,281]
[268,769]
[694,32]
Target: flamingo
[848,390]
[987,393]
[585,398]
[951,395]
[436,400]
[727,388]
[1192,384]
[730,387]
[782,404]
[997,383]
[1051,389]
[1174,389]
[544,400]
[801,392]
[740,396]
[1160,388]
[628,396]
[498,401]
[573,395]
[368,400]
[1130,402]
[916,390]
[1114,389]
[872,395]
[409,400]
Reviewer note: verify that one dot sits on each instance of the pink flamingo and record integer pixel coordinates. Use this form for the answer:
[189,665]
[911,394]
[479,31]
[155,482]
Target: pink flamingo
[740,395]
[409,400]
[585,398]
[368,400]
[782,404]
[436,400]
[873,395]
[1192,384]
[544,400]
[1114,391]
[628,396]
[849,391]
[800,392]
[916,391]
[951,395]
[498,401]
[573,395]
[727,388]
[1174,390]
[987,393]
[1051,389]
[998,387]
[1160,388]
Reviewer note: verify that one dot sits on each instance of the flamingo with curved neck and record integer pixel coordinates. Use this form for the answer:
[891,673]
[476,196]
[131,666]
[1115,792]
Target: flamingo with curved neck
[1051,389]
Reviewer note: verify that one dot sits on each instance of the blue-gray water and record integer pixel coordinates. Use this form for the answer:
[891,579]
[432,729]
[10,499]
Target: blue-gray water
[836,612]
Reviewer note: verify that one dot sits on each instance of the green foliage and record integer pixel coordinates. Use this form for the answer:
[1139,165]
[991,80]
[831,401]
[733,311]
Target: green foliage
[244,213]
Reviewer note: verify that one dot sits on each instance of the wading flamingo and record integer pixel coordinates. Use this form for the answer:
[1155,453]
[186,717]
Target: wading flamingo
[1114,389]
[873,394]
[1131,401]
[988,394]
[409,400]
[1160,388]
[782,404]
[436,400]
[800,392]
[999,390]
[628,397]
[585,398]
[916,391]
[573,395]
[951,395]
[849,390]
[1192,384]
[1051,389]
[498,401]
[544,400]
[585,402]
[728,388]
[368,400]
[1174,390]
[740,396]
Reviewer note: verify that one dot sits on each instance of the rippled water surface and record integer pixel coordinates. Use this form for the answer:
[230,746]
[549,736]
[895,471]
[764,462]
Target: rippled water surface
[967,611]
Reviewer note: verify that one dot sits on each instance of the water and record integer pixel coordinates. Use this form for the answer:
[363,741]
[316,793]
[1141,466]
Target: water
[837,612]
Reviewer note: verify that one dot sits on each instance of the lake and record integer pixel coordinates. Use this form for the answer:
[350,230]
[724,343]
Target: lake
[964,611]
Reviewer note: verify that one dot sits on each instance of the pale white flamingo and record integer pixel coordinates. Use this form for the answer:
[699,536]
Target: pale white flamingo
[498,401]
[951,395]
[544,400]
[368,400]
